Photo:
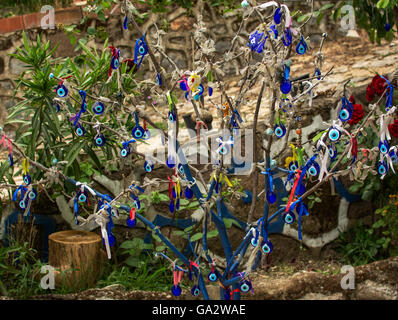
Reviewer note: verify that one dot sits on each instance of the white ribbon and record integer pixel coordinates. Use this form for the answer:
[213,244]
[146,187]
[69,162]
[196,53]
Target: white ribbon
[84,186]
[385,121]
[101,221]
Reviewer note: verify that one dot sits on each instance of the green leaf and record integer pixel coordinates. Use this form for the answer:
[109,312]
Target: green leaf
[212,234]
[197,236]
[91,31]
[326,6]
[179,233]
[132,261]
[302,18]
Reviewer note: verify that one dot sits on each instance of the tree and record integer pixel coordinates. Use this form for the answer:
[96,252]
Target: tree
[93,121]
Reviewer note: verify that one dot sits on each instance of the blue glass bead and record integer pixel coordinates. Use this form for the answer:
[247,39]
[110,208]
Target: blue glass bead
[100,140]
[286,86]
[171,206]
[267,247]
[171,162]
[271,197]
[62,91]
[176,290]
[98,108]
[277,16]
[131,223]
[188,193]
[138,132]
[195,291]
[212,277]
[289,217]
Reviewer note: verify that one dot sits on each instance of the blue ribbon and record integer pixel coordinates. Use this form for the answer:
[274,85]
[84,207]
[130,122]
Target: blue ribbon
[140,42]
[19,189]
[390,94]
[305,168]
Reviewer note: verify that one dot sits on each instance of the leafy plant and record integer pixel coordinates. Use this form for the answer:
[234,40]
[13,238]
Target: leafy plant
[387,225]
[19,271]
[359,246]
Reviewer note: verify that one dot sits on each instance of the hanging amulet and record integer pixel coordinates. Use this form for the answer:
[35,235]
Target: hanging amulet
[225,108]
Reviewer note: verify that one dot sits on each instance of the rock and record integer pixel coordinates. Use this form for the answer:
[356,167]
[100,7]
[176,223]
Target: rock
[214,292]
[320,296]
[370,290]
[182,23]
[115,286]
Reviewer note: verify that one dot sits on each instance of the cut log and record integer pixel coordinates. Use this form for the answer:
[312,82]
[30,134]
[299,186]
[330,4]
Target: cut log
[77,258]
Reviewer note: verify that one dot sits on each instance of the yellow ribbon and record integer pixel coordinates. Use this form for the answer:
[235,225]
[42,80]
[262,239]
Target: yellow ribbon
[25,166]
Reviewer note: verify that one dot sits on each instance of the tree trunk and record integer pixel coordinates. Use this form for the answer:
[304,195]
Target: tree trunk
[76,257]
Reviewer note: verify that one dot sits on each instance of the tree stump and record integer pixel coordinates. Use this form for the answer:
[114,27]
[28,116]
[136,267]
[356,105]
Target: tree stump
[77,258]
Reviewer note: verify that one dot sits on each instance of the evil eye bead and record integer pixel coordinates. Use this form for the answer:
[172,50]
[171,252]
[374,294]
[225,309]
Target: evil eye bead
[27,179]
[382,168]
[142,50]
[125,23]
[176,290]
[115,213]
[274,32]
[98,108]
[159,81]
[334,134]
[114,63]
[32,194]
[10,159]
[293,166]
[131,223]
[212,277]
[345,114]
[314,169]
[210,91]
[387,27]
[138,132]
[201,89]
[289,217]
[277,16]
[100,140]
[384,147]
[393,155]
[245,286]
[82,198]
[301,47]
[181,169]
[280,130]
[125,152]
[318,73]
[22,204]
[62,91]
[267,247]
[195,291]
[56,107]
[80,131]
[137,204]
[332,152]
[254,242]
[147,135]
[223,150]
[148,166]
[172,116]
[287,39]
